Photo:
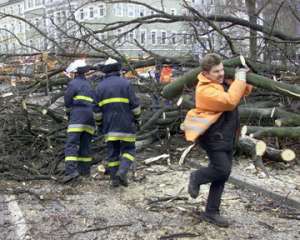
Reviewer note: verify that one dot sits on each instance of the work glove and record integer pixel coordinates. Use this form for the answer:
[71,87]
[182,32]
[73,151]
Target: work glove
[240,74]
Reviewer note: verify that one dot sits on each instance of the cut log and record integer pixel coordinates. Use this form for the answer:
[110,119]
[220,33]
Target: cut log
[256,103]
[186,101]
[252,146]
[287,122]
[285,155]
[147,135]
[273,154]
[167,121]
[279,116]
[259,81]
[155,117]
[256,149]
[260,132]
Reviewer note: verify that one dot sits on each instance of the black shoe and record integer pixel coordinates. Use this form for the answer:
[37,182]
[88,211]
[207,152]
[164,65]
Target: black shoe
[70,178]
[115,182]
[193,187]
[217,219]
[123,179]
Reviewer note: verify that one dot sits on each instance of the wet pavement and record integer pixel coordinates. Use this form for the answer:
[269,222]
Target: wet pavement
[155,206]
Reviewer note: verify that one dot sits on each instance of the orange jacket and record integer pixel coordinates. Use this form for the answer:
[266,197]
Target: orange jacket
[211,102]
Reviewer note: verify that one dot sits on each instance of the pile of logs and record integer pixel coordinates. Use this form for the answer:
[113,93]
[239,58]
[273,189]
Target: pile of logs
[33,122]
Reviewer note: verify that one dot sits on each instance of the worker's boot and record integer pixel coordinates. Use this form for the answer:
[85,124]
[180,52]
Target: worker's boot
[193,187]
[115,182]
[123,171]
[84,169]
[123,178]
[216,218]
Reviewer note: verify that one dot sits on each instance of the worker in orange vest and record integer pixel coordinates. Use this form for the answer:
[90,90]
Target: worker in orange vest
[213,124]
[166,74]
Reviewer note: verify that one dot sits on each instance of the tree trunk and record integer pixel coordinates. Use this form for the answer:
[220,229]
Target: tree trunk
[251,8]
[260,132]
[281,117]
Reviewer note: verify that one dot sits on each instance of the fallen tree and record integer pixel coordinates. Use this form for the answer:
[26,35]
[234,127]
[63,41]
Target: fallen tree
[189,79]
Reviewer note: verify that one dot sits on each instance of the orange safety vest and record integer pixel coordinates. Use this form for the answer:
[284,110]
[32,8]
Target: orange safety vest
[211,102]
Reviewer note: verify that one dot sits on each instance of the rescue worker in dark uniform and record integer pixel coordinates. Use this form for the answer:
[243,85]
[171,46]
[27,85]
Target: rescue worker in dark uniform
[79,103]
[214,125]
[120,111]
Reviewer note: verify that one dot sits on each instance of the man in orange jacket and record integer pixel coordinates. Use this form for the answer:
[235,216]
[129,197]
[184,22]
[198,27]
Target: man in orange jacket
[214,124]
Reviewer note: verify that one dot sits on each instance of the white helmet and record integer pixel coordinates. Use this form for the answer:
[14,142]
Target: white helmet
[72,68]
[110,61]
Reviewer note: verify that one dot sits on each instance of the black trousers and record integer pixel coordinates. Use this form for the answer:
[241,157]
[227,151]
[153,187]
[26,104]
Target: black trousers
[217,173]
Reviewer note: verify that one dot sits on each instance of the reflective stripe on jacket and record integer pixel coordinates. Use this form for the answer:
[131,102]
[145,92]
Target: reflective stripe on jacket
[79,101]
[118,107]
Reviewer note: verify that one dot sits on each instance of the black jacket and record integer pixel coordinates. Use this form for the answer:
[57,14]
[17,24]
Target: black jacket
[222,135]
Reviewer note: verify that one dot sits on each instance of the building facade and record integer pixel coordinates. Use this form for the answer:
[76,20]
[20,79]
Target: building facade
[59,20]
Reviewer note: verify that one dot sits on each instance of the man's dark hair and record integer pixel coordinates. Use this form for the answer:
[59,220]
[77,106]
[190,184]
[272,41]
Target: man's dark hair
[210,60]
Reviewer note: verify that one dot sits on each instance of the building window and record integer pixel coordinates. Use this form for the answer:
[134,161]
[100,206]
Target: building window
[19,9]
[131,36]
[20,27]
[130,10]
[100,36]
[102,10]
[118,9]
[142,11]
[36,21]
[173,11]
[81,14]
[173,38]
[185,38]
[45,44]
[64,16]
[119,35]
[163,37]
[142,36]
[153,37]
[30,3]
[91,12]
[58,19]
